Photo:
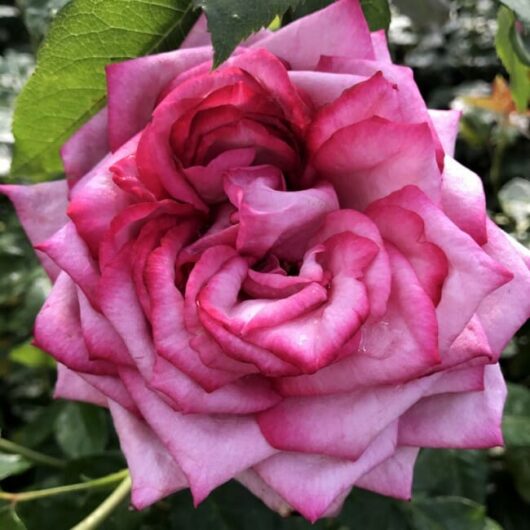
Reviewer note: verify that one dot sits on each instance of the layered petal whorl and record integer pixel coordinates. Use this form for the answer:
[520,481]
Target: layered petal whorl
[275,271]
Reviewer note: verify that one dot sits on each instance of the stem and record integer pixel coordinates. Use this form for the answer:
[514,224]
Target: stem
[106,507]
[69,488]
[33,456]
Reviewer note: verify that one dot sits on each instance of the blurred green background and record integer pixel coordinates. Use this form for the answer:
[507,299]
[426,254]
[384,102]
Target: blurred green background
[451,46]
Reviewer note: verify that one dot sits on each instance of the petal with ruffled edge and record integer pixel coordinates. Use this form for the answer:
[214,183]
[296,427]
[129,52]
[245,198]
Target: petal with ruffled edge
[71,254]
[446,124]
[506,309]
[374,97]
[58,330]
[394,476]
[296,42]
[463,200]
[154,473]
[86,147]
[370,159]
[41,209]
[347,423]
[471,420]
[98,187]
[135,86]
[70,385]
[394,349]
[471,270]
[210,450]
[311,483]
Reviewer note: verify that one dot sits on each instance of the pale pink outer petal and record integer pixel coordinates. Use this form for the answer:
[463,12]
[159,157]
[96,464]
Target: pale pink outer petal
[41,209]
[71,254]
[463,199]
[58,330]
[311,483]
[198,35]
[380,44]
[210,450]
[466,379]
[323,87]
[120,304]
[253,482]
[347,423]
[506,309]
[471,270]
[70,385]
[245,396]
[154,473]
[112,388]
[470,420]
[86,147]
[101,339]
[446,123]
[134,87]
[394,476]
[297,43]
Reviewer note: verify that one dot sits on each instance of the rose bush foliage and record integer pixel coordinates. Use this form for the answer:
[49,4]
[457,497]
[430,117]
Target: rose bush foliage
[275,271]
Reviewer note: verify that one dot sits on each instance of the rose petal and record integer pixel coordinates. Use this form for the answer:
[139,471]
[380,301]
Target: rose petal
[58,330]
[470,420]
[245,396]
[210,450]
[372,158]
[71,254]
[70,385]
[463,200]
[506,309]
[311,483]
[296,42]
[41,209]
[154,473]
[394,476]
[134,87]
[347,423]
[86,147]
[446,124]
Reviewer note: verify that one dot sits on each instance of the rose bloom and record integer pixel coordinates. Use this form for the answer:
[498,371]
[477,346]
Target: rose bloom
[275,271]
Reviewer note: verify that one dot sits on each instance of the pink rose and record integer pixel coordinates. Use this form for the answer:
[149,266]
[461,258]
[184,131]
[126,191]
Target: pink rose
[276,272]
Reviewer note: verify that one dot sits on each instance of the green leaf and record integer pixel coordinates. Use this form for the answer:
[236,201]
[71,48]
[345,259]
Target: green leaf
[519,73]
[12,465]
[365,510]
[377,13]
[9,520]
[520,7]
[232,21]
[31,356]
[310,6]
[447,513]
[440,472]
[81,430]
[518,463]
[492,525]
[41,427]
[68,86]
[516,420]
